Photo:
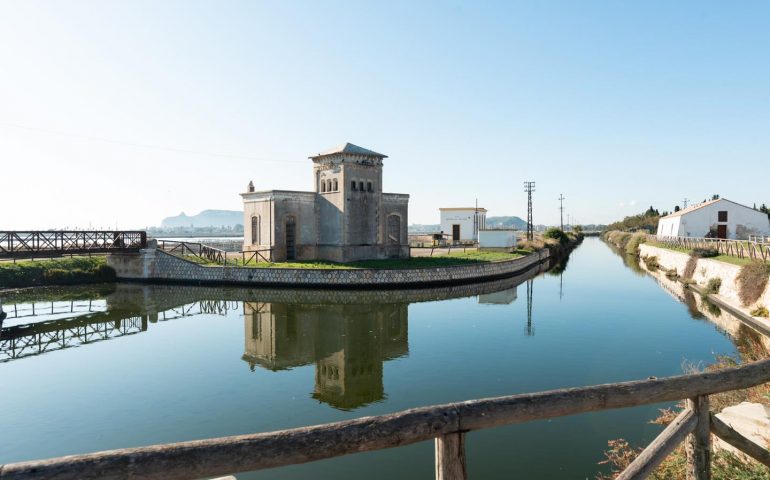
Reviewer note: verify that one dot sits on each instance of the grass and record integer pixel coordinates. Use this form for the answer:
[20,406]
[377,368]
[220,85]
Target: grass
[722,258]
[63,271]
[449,260]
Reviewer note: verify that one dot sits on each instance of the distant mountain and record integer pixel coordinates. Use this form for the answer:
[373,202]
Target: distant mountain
[207,218]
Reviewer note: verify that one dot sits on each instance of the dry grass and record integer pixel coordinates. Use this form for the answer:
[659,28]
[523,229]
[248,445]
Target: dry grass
[752,281]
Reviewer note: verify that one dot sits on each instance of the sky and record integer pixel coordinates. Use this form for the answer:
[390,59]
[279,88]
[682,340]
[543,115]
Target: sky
[116,114]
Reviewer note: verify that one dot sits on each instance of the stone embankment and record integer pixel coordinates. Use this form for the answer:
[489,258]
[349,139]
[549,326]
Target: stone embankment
[156,266]
[698,272]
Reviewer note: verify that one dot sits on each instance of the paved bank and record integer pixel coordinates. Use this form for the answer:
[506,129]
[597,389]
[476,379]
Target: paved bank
[156,266]
[706,269]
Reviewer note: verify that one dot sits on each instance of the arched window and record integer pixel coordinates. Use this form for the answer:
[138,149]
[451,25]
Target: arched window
[361,186]
[335,185]
[328,185]
[353,185]
[369,187]
[323,186]
[255,240]
[394,229]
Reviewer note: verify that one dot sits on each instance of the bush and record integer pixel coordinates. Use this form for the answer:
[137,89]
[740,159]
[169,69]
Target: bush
[713,286]
[632,245]
[672,274]
[65,271]
[556,234]
[752,281]
[705,252]
[760,311]
[651,262]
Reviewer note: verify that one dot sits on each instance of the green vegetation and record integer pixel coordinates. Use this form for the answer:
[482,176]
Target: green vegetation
[760,311]
[64,271]
[704,252]
[752,281]
[448,260]
[647,221]
[672,274]
[556,234]
[713,286]
[632,246]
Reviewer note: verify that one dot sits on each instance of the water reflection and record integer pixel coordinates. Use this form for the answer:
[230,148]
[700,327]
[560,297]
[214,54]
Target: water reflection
[347,343]
[346,335]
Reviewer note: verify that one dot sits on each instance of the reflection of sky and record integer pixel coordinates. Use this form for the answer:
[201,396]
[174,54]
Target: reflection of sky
[186,379]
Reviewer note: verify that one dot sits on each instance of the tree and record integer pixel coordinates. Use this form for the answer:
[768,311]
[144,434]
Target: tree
[715,196]
[676,208]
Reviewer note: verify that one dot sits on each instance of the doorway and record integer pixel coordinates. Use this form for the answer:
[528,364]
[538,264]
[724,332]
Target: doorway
[721,231]
[455,233]
[291,238]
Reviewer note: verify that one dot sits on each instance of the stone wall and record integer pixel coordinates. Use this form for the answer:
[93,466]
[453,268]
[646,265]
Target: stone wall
[705,269]
[156,266]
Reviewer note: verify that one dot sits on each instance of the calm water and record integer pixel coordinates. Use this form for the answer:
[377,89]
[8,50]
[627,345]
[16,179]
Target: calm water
[127,365]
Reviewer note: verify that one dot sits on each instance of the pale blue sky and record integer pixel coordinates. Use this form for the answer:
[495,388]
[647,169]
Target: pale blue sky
[617,105]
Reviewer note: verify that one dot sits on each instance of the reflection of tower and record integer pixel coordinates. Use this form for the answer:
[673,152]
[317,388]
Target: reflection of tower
[530,329]
[561,285]
[348,344]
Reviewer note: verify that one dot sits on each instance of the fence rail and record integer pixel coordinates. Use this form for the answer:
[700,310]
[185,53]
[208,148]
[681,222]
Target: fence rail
[198,250]
[447,424]
[31,244]
[735,248]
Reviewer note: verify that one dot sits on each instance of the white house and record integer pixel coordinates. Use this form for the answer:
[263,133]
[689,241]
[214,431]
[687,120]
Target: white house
[462,224]
[719,218]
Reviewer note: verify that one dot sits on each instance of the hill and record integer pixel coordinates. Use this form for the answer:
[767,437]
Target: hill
[207,218]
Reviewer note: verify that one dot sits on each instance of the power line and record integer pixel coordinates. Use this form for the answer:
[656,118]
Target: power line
[529,187]
[144,145]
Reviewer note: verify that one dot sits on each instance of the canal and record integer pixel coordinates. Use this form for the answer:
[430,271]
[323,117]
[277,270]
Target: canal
[126,365]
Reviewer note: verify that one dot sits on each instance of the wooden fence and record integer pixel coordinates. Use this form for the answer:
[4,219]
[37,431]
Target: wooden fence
[446,424]
[735,248]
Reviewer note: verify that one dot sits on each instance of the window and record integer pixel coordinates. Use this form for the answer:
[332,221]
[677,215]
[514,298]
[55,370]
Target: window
[255,240]
[353,185]
[369,186]
[335,185]
[722,216]
[361,186]
[328,185]
[323,186]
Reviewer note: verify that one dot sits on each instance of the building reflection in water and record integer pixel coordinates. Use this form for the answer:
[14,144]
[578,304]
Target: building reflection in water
[347,343]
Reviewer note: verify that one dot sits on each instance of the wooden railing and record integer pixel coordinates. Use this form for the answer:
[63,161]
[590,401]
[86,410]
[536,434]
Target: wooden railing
[198,250]
[40,244]
[735,248]
[264,255]
[446,424]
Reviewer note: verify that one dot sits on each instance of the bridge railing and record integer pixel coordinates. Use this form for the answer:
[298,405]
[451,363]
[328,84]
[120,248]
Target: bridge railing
[736,248]
[446,424]
[30,244]
[198,250]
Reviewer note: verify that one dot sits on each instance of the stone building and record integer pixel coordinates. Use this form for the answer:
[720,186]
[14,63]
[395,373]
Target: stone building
[346,218]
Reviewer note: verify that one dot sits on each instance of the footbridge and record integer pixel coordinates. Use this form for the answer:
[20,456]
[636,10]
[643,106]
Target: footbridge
[57,243]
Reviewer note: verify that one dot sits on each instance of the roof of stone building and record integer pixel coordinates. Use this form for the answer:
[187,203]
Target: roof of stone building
[697,206]
[349,148]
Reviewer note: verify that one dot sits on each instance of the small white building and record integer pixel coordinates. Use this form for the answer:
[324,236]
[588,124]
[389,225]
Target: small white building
[718,218]
[497,239]
[462,224]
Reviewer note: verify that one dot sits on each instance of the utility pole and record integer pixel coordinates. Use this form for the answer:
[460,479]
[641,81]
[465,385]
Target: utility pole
[561,211]
[530,288]
[476,221]
[684,202]
[529,187]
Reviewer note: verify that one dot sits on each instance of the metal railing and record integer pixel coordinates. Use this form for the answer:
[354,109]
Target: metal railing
[446,424]
[41,244]
[197,250]
[735,248]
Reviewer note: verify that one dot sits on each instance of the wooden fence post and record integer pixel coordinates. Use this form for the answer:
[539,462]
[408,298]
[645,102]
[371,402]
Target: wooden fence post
[699,441]
[450,457]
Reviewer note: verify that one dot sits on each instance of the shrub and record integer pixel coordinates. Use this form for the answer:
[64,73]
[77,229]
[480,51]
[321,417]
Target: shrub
[672,274]
[752,281]
[760,311]
[556,234]
[651,262]
[632,246]
[713,285]
[705,252]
